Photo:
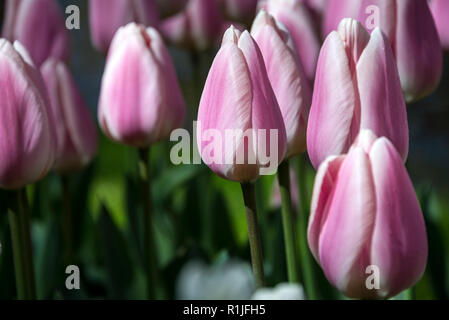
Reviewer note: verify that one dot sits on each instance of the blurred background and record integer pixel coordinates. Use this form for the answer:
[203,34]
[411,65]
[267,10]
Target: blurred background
[201,231]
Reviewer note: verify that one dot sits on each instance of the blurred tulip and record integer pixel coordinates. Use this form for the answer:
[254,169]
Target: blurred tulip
[74,125]
[140,100]
[39,26]
[167,8]
[239,10]
[287,78]
[414,38]
[238,96]
[107,16]
[337,10]
[357,87]
[440,11]
[283,291]
[365,218]
[297,19]
[26,141]
[197,27]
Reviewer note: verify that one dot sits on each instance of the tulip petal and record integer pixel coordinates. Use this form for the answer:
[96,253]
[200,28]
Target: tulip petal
[399,243]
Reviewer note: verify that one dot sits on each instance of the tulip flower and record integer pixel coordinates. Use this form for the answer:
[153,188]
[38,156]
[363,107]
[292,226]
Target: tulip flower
[169,7]
[299,22]
[107,16]
[366,228]
[74,125]
[197,27]
[238,95]
[414,38]
[140,100]
[440,11]
[337,10]
[287,78]
[239,10]
[27,143]
[356,87]
[38,25]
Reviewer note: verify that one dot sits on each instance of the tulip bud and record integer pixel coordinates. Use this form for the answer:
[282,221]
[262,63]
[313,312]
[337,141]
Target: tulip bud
[337,10]
[294,15]
[197,27]
[107,16]
[366,228]
[26,138]
[39,26]
[239,10]
[287,78]
[74,126]
[414,38]
[238,97]
[356,87]
[440,11]
[140,100]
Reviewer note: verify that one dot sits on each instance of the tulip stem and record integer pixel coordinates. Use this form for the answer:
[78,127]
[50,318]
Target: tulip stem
[306,261]
[150,254]
[288,222]
[67,218]
[255,242]
[19,219]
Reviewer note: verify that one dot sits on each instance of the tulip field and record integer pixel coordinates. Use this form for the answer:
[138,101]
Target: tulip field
[224,150]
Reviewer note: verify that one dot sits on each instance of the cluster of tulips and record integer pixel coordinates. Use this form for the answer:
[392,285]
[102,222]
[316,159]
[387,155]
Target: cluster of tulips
[344,102]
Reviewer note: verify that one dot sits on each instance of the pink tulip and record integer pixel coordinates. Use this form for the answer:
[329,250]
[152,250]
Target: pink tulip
[299,22]
[239,10]
[170,7]
[337,10]
[364,217]
[26,141]
[287,78]
[197,27]
[414,38]
[74,126]
[140,100]
[40,26]
[107,16]
[440,11]
[238,96]
[356,87]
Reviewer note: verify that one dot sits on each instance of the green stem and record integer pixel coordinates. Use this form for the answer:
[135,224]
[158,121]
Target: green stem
[306,261]
[255,242]
[150,254]
[409,294]
[67,219]
[19,217]
[288,222]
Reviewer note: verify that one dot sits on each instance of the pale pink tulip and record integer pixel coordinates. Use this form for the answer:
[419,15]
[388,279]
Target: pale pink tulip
[299,22]
[337,10]
[356,87]
[140,100]
[74,126]
[197,27]
[26,140]
[287,78]
[414,38]
[366,221]
[440,11]
[107,16]
[39,26]
[238,96]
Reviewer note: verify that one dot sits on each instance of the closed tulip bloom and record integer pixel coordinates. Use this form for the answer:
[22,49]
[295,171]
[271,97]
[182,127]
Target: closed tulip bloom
[197,27]
[294,15]
[140,100]
[440,11]
[107,16]
[356,87]
[74,126]
[238,96]
[414,38]
[239,10]
[38,25]
[365,218]
[26,141]
[337,10]
[287,78]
